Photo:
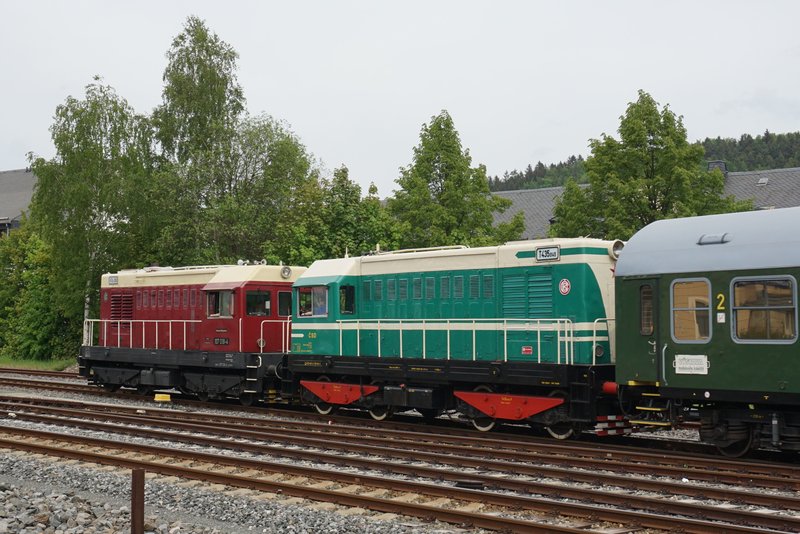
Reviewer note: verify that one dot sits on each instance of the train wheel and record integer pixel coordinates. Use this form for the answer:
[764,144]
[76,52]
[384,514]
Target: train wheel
[202,396]
[562,429]
[483,422]
[111,388]
[324,408]
[379,413]
[246,399]
[144,390]
[738,448]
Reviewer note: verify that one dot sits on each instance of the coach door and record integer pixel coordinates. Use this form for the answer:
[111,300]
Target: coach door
[638,356]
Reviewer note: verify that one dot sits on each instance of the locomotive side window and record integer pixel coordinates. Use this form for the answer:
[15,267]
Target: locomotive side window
[220,303]
[417,288]
[139,300]
[430,288]
[257,303]
[378,289]
[488,286]
[284,303]
[347,299]
[313,301]
[691,312]
[474,289]
[366,289]
[391,289]
[444,288]
[145,299]
[765,310]
[646,326]
[403,289]
[153,298]
[458,287]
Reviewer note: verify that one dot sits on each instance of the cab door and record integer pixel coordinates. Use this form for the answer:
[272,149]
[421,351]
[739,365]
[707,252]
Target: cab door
[638,356]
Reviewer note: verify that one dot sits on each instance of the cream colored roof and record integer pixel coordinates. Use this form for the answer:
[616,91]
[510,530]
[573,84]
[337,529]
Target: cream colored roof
[200,275]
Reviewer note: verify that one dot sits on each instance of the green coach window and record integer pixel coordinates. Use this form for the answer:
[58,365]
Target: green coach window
[646,326]
[691,312]
[764,309]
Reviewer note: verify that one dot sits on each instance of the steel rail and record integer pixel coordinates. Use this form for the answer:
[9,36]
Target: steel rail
[552,490]
[533,504]
[460,454]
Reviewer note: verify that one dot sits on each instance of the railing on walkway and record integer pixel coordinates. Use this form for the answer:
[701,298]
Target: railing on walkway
[563,330]
[121,333]
[104,325]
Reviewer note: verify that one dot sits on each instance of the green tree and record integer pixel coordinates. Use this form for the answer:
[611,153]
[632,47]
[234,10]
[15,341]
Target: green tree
[443,200]
[353,224]
[32,324]
[652,172]
[202,99]
[90,200]
[197,126]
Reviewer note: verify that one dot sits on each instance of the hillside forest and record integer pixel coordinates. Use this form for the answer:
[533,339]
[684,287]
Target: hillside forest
[748,153]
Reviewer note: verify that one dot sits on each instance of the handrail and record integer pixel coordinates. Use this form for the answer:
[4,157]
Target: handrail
[89,328]
[286,334]
[563,329]
[595,340]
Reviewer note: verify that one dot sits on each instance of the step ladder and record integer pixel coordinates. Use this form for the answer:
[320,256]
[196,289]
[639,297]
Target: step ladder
[653,410]
[251,373]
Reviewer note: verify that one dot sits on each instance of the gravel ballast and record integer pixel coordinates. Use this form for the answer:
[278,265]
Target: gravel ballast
[53,497]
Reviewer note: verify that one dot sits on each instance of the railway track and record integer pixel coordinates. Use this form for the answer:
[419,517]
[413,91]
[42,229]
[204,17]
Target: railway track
[395,460]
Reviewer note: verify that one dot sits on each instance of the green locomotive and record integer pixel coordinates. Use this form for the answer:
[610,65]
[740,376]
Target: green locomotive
[522,332]
[707,314]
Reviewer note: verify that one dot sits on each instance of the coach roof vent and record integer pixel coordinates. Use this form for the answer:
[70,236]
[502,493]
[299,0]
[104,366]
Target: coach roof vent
[714,239]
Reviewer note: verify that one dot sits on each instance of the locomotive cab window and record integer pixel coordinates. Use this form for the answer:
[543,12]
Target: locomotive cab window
[284,303]
[347,299]
[764,310]
[258,303]
[313,301]
[220,303]
[691,311]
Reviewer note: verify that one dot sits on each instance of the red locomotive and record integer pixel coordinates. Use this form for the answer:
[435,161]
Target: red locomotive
[202,321]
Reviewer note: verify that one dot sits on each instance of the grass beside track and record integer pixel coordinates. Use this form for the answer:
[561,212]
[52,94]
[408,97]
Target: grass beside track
[38,365]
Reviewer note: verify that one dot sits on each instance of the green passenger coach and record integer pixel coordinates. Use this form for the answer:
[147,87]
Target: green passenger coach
[547,303]
[709,308]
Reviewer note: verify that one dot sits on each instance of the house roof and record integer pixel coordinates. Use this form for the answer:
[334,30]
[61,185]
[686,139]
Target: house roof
[16,190]
[777,188]
[537,206]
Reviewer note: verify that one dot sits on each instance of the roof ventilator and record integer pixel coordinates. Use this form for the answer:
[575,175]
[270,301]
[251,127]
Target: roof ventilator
[714,239]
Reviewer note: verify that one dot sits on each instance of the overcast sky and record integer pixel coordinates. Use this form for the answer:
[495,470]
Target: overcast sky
[524,81]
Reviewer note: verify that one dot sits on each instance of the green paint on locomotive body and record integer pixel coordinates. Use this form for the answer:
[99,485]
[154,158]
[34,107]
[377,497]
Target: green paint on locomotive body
[549,301]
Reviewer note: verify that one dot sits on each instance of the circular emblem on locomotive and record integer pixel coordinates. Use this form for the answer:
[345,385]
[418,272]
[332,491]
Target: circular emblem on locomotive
[564,286]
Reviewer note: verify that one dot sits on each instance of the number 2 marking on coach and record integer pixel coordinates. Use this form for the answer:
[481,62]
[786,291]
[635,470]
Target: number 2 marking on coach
[720,302]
